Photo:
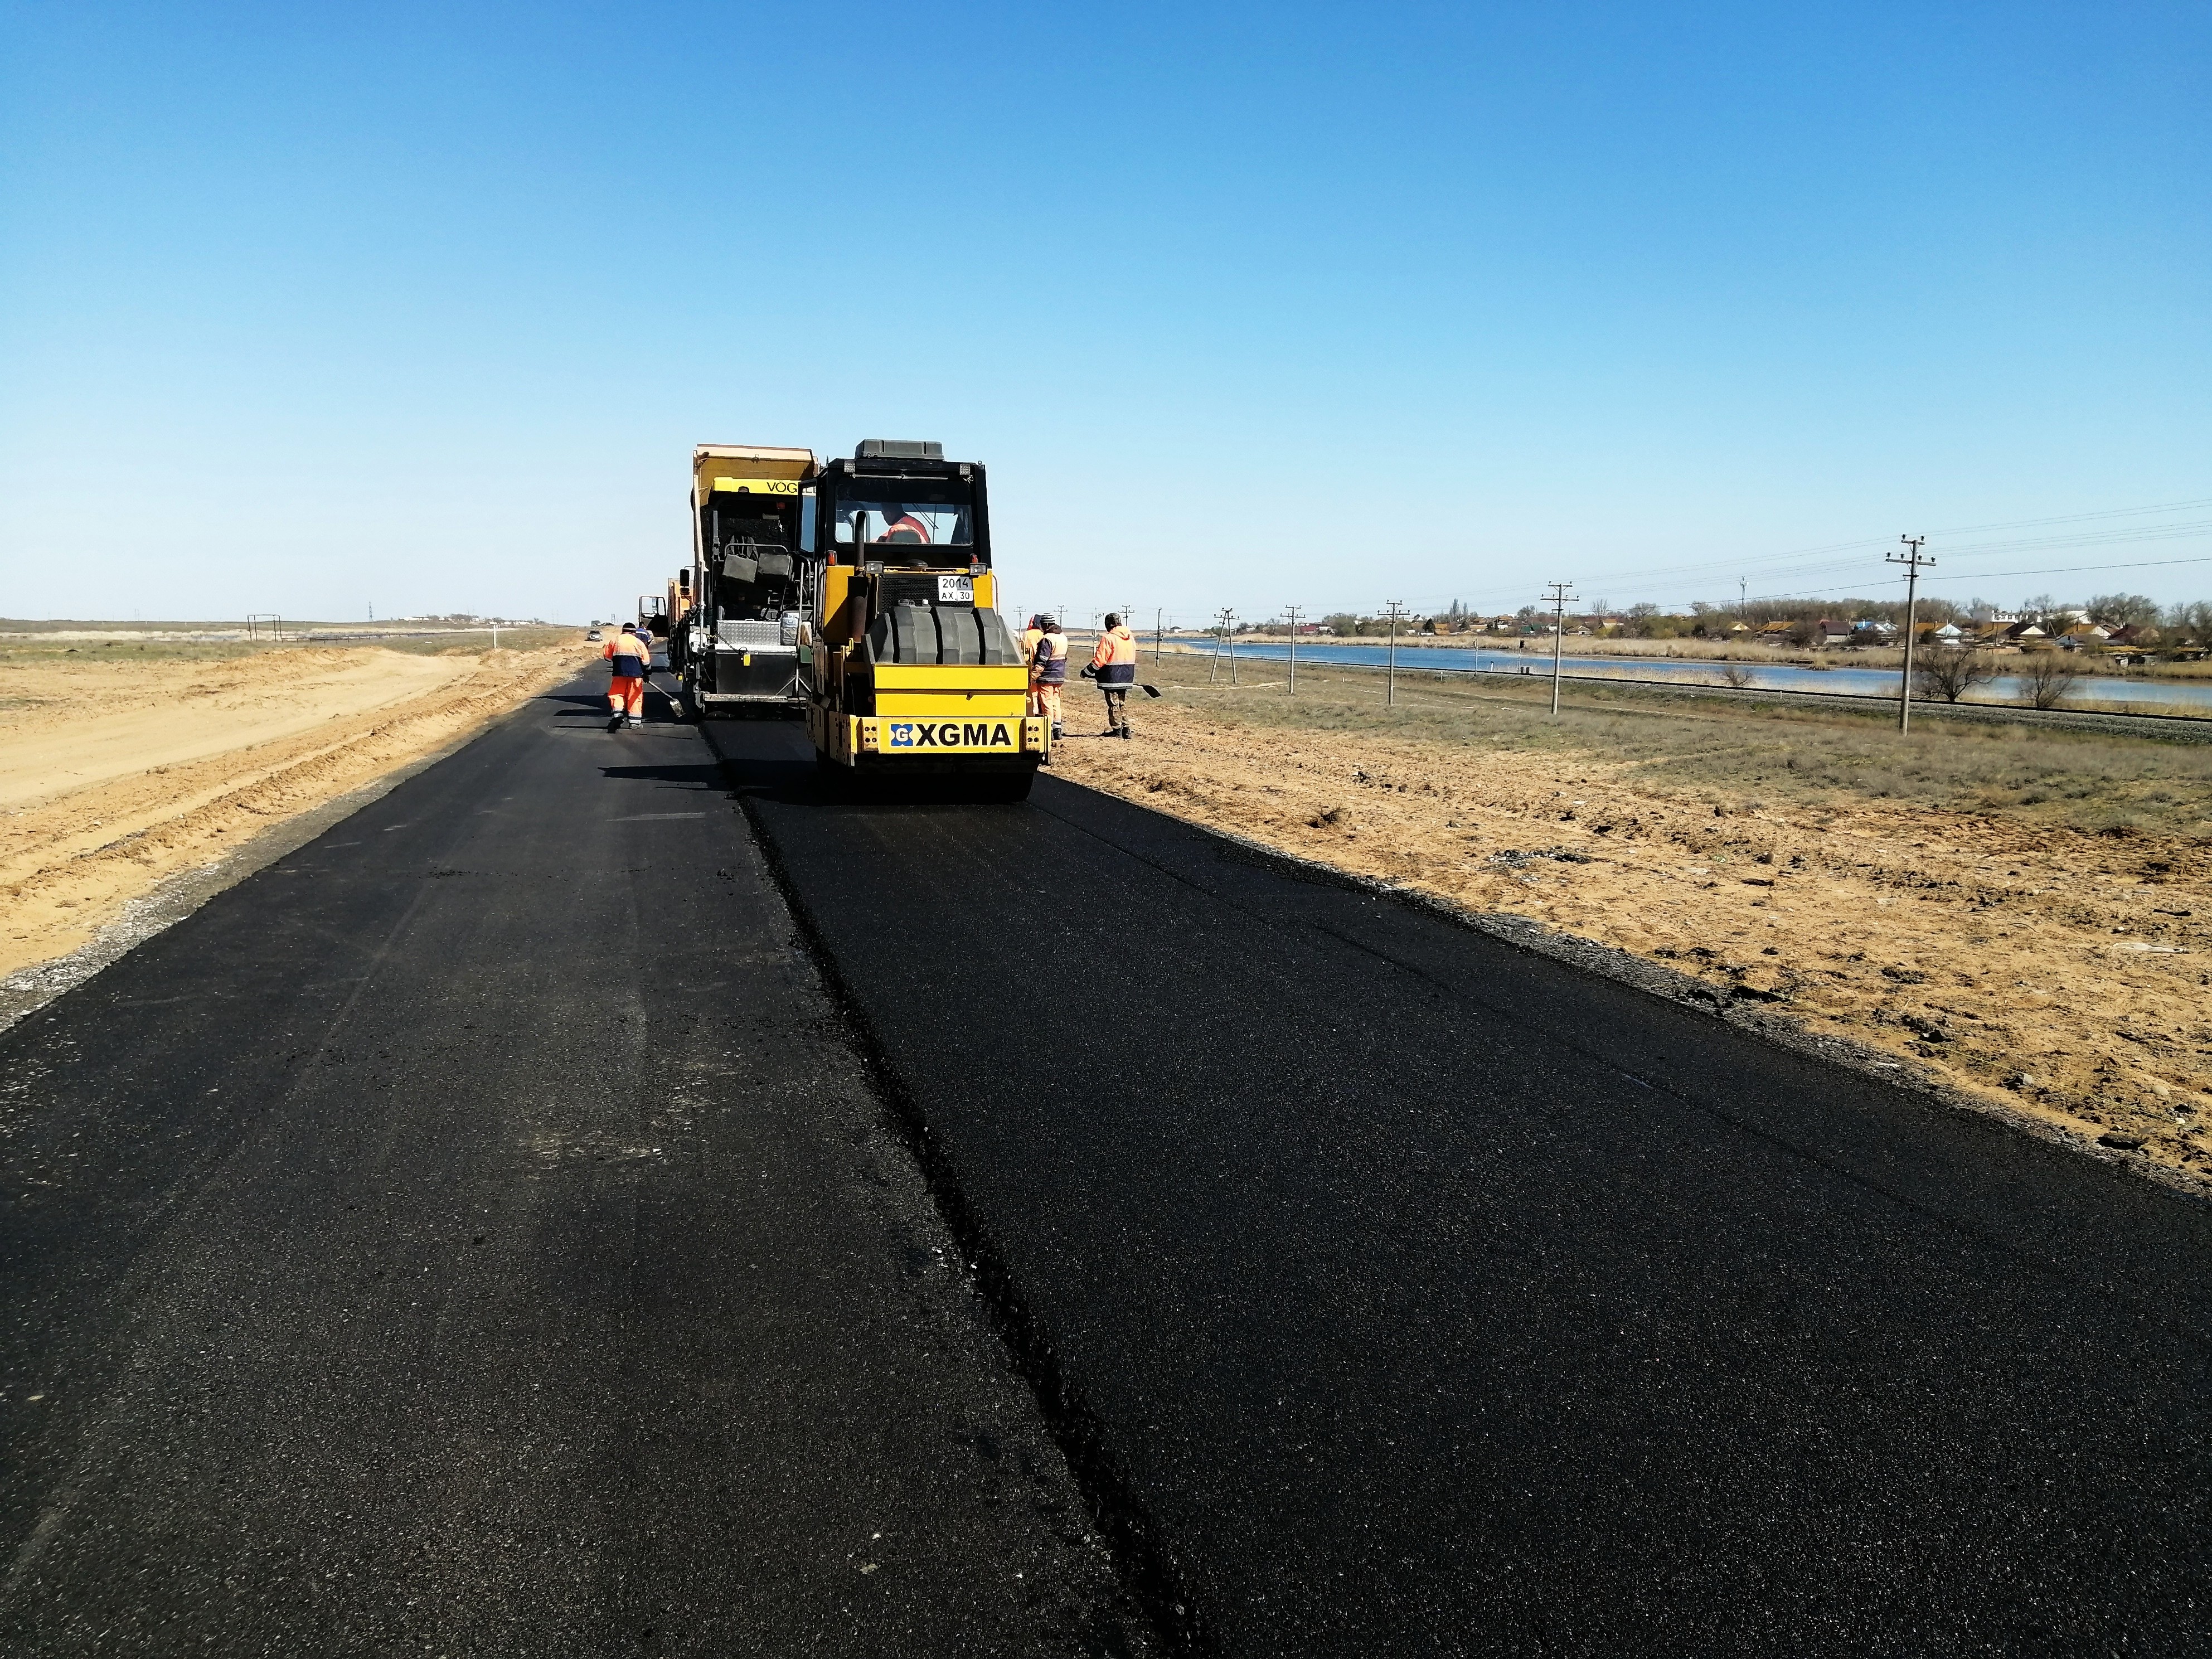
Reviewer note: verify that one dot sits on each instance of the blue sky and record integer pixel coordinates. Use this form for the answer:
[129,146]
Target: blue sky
[306,309]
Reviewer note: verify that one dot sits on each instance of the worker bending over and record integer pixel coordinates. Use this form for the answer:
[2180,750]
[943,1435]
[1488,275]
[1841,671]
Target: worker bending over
[1048,671]
[631,659]
[1113,665]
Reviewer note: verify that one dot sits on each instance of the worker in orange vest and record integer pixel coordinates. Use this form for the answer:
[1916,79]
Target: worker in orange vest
[631,659]
[1113,665]
[1030,636]
[1048,671]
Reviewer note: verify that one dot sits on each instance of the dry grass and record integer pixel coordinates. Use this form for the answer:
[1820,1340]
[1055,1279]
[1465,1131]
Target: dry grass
[1725,752]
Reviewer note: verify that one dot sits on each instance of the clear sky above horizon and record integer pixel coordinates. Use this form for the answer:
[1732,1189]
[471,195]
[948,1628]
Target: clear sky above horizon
[306,309]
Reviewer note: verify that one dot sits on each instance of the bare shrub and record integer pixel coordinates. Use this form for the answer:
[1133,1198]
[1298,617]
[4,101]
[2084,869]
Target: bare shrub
[2046,678]
[1949,671]
[1737,674]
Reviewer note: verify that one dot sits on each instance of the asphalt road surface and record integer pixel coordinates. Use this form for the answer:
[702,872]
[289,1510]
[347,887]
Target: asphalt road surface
[1425,1295]
[476,1234]
[486,1231]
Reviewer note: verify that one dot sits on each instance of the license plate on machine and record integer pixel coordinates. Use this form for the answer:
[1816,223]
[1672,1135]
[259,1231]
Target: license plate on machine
[956,590]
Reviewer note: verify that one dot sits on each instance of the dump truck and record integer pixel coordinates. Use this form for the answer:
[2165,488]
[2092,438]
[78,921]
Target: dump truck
[750,588]
[906,671]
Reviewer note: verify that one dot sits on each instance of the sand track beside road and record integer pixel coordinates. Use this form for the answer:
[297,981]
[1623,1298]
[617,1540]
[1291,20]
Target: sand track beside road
[116,776]
[2060,972]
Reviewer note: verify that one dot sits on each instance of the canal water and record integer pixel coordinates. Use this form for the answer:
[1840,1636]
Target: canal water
[2164,696]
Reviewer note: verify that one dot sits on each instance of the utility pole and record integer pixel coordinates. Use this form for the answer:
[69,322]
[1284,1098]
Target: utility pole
[1557,599]
[1912,559]
[1743,588]
[1222,623]
[1291,612]
[1159,627]
[1394,610]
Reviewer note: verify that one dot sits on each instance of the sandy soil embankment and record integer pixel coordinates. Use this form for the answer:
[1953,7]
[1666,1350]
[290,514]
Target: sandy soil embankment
[2060,970]
[117,774]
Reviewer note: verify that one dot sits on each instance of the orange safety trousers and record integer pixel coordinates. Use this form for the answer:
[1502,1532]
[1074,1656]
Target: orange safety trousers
[626,696]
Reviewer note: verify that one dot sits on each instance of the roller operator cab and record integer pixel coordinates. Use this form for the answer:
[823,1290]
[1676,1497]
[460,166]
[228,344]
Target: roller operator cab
[751,582]
[908,671]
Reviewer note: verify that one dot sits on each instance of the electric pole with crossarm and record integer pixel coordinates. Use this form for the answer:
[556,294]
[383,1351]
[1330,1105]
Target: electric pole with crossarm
[1291,612]
[1913,560]
[1557,599]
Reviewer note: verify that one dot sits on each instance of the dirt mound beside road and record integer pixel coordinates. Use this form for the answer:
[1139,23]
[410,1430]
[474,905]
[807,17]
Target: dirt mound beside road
[117,772]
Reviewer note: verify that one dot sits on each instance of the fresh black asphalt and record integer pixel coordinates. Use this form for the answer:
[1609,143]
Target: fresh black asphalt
[475,1234]
[1427,1295]
[484,1231]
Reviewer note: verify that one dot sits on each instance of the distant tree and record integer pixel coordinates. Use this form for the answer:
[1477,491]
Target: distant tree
[2190,624]
[1341,622]
[2045,678]
[2123,610]
[1949,671]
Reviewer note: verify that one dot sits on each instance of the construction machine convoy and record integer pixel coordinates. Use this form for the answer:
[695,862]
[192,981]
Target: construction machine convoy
[860,592]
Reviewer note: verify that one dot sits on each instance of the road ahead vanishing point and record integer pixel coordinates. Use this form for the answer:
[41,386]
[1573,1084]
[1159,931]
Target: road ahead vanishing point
[596,1200]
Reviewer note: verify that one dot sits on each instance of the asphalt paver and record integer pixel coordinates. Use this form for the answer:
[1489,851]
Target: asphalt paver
[1420,1293]
[477,1234]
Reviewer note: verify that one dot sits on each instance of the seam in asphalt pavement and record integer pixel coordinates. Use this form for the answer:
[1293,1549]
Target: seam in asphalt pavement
[1132,1535]
[1609,962]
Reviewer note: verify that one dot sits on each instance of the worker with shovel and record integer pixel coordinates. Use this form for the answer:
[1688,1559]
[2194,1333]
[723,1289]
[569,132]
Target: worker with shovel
[631,659]
[1113,665]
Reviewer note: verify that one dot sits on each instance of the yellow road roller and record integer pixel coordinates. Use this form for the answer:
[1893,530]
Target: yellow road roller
[908,673]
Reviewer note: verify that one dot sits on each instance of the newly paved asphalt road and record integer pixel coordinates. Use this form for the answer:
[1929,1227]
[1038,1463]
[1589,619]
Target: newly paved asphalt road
[1426,1294]
[474,1235]
[483,1232]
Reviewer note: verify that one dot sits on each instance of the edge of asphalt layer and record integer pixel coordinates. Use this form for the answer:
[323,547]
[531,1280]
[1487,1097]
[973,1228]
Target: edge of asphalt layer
[176,896]
[1131,1533]
[1746,1013]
